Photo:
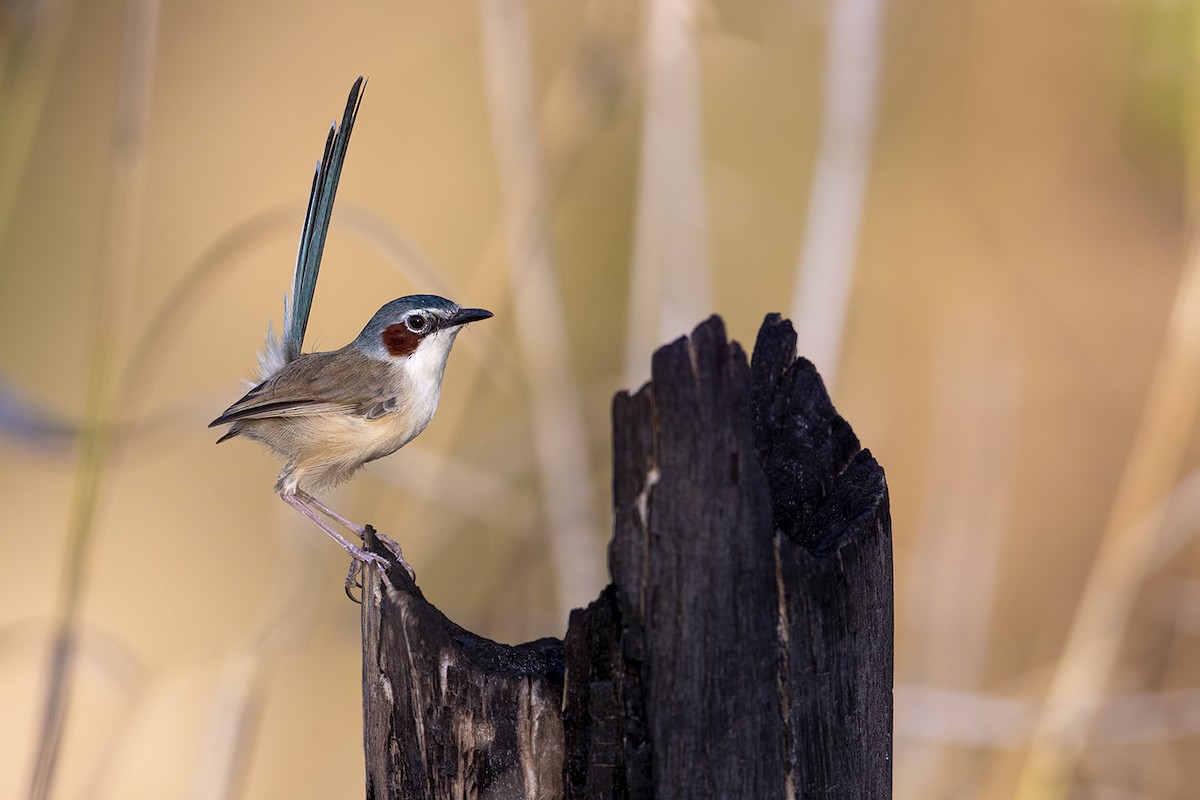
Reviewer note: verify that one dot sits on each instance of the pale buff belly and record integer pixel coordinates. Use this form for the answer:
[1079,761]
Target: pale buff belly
[323,451]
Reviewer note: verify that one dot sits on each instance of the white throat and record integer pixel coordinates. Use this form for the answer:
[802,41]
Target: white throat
[428,363]
[422,373]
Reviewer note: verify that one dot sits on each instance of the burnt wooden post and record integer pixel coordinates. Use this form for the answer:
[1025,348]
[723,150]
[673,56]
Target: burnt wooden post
[742,650]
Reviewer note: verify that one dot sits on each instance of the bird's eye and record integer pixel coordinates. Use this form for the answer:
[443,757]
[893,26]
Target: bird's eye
[417,323]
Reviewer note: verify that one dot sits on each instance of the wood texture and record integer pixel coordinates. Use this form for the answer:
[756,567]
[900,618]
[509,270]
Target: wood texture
[447,714]
[743,648]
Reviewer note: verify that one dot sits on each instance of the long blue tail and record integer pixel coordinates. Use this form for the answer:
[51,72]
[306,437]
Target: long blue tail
[316,225]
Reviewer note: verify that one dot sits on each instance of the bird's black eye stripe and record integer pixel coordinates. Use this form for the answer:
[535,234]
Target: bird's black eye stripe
[417,323]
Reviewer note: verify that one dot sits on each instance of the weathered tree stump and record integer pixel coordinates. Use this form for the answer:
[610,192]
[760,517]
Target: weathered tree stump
[742,650]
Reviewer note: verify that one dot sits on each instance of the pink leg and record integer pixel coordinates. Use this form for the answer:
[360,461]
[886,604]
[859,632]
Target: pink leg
[358,530]
[357,553]
[313,502]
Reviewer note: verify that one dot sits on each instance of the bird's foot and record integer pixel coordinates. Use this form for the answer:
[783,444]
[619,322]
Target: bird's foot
[394,546]
[359,557]
[353,577]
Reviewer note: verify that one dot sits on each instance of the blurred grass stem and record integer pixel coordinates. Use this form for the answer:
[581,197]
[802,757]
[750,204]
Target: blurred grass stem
[110,308]
[825,271]
[559,437]
[32,34]
[1126,554]
[670,282]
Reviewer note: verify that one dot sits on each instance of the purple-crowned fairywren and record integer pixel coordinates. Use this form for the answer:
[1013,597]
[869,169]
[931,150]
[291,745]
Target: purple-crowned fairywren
[328,414]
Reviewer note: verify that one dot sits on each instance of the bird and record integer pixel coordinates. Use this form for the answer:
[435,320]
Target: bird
[326,414]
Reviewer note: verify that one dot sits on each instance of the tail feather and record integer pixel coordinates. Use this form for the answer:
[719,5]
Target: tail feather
[229,434]
[285,346]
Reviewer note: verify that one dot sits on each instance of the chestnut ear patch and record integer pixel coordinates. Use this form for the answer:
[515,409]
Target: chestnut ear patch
[399,340]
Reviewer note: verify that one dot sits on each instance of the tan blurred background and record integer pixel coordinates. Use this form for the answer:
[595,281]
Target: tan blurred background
[1015,339]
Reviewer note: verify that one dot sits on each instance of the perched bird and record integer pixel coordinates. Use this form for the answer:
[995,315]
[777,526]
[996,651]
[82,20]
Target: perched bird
[328,414]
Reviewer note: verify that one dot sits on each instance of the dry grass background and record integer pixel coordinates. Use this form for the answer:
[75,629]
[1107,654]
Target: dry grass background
[1019,350]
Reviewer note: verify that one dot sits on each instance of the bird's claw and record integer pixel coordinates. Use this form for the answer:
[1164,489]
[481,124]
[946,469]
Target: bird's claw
[361,557]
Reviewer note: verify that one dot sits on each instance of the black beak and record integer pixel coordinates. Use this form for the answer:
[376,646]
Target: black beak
[465,315]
